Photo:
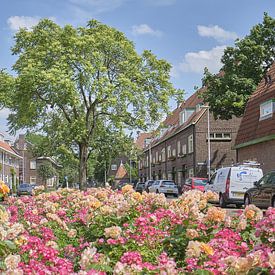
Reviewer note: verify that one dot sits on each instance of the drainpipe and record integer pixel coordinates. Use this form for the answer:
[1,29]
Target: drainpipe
[194,149]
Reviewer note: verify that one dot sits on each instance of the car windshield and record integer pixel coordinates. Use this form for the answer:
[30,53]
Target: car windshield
[24,185]
[170,183]
[200,182]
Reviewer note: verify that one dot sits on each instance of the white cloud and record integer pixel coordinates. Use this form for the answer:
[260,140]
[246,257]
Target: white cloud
[4,113]
[99,6]
[217,33]
[197,61]
[17,22]
[145,29]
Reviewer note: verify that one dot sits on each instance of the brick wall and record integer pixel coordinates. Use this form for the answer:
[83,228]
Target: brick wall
[262,152]
[222,152]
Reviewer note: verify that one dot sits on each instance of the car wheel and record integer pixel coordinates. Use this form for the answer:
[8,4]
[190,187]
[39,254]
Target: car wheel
[246,201]
[222,203]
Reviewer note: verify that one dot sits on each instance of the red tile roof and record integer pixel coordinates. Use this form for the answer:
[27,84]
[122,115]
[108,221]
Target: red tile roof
[121,172]
[172,122]
[251,127]
[6,147]
[140,141]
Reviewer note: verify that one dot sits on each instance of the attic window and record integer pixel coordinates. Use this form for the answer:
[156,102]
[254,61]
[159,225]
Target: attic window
[266,109]
[185,115]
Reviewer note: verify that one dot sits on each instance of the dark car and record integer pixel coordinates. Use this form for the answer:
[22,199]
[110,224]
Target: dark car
[148,183]
[140,187]
[194,183]
[263,192]
[24,189]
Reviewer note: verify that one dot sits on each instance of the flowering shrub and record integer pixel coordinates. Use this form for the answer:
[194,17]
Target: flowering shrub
[101,231]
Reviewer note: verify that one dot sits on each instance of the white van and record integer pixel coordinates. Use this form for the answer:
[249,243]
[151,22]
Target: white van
[231,183]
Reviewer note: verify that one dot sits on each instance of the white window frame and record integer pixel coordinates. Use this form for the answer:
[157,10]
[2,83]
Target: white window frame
[114,167]
[163,157]
[191,172]
[266,109]
[32,179]
[190,144]
[33,164]
[178,147]
[219,136]
[184,149]
[169,151]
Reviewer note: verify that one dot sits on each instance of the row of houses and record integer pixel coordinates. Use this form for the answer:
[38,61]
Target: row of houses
[18,164]
[181,149]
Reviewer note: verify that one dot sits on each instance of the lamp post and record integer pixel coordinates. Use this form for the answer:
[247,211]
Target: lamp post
[150,155]
[208,141]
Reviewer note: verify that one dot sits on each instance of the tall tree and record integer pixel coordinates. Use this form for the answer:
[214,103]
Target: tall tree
[70,79]
[243,67]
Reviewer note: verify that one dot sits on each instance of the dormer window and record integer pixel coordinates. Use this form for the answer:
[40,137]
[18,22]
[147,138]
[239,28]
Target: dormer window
[185,114]
[266,109]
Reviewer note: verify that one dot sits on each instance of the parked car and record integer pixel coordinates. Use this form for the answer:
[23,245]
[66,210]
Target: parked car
[231,183]
[148,183]
[194,183]
[166,187]
[263,192]
[24,189]
[139,187]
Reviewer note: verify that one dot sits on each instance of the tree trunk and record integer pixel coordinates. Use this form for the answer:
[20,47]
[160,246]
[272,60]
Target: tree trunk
[83,158]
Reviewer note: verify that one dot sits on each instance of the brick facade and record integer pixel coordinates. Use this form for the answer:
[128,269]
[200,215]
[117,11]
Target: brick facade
[9,160]
[184,148]
[29,165]
[256,135]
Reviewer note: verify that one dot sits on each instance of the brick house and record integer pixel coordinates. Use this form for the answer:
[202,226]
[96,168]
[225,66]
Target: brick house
[9,160]
[181,149]
[29,164]
[256,135]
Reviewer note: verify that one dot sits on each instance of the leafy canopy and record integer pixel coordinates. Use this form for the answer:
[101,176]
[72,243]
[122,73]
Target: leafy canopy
[243,68]
[72,83]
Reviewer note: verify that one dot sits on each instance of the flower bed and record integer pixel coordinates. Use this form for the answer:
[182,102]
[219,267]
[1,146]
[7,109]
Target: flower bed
[101,231]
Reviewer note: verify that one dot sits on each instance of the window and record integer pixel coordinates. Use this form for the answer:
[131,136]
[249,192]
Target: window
[220,136]
[147,141]
[114,167]
[32,179]
[266,109]
[154,160]
[185,115]
[174,152]
[178,147]
[179,178]
[157,156]
[190,144]
[169,151]
[191,172]
[163,155]
[184,150]
[33,164]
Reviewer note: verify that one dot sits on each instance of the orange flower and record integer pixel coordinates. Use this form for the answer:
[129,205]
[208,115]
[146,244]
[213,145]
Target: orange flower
[250,214]
[207,249]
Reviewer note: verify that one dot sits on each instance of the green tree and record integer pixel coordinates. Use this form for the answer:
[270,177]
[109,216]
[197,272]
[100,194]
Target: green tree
[46,171]
[70,81]
[243,68]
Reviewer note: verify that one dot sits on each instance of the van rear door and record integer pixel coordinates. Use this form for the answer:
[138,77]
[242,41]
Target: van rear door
[241,179]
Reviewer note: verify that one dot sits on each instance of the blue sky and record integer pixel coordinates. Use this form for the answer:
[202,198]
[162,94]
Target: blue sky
[190,34]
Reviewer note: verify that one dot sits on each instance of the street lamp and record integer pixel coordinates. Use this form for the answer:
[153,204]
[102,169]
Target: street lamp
[150,161]
[208,140]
